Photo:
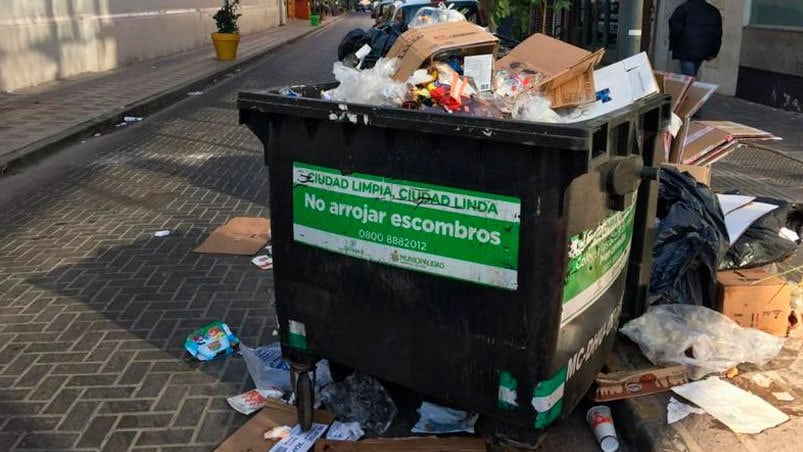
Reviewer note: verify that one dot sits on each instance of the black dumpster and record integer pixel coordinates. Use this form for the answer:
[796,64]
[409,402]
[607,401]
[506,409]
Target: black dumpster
[480,262]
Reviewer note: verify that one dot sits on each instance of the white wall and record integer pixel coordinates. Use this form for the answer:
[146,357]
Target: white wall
[724,70]
[44,40]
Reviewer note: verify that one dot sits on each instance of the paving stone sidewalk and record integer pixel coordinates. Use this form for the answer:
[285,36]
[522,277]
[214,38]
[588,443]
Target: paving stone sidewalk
[48,115]
[94,309]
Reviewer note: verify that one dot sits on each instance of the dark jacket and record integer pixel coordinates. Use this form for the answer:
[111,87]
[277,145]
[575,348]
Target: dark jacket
[695,31]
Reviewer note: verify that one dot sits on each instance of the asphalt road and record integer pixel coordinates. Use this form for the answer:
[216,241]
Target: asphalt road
[183,168]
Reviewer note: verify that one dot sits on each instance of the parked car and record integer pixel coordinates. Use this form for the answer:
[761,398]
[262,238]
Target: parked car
[404,10]
[381,8]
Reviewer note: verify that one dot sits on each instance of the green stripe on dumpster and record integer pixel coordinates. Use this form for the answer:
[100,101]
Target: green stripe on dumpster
[449,232]
[548,399]
[596,258]
[298,335]
[507,391]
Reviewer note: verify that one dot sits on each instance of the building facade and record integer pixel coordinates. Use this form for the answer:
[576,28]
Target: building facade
[44,40]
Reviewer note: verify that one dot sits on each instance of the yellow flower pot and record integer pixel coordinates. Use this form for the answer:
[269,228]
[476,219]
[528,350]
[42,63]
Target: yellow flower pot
[226,45]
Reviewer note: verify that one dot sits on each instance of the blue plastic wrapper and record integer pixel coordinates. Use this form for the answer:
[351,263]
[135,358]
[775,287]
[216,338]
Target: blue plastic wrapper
[211,341]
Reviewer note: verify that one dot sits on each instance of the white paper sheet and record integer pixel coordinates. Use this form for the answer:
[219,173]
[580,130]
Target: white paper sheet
[740,410]
[738,220]
[479,68]
[676,411]
[729,203]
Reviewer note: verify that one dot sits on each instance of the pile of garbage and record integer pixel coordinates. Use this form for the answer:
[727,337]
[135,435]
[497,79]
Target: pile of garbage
[446,65]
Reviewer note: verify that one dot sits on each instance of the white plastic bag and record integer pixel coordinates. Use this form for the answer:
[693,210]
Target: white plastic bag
[373,86]
[437,420]
[701,339]
[430,16]
[534,107]
[271,372]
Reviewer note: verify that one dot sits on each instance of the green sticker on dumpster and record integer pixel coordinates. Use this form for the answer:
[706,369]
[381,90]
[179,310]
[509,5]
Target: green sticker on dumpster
[445,231]
[596,258]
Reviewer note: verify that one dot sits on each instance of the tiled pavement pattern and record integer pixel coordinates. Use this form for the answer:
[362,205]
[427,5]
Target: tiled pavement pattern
[30,115]
[94,309]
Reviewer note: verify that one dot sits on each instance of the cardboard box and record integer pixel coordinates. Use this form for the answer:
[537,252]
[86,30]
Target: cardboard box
[619,85]
[417,46]
[274,414]
[637,383]
[568,69]
[701,174]
[754,298]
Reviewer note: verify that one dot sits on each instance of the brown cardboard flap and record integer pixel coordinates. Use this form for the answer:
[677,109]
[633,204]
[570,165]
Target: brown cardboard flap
[637,383]
[412,444]
[701,174]
[676,85]
[243,236]
[415,46]
[748,277]
[700,140]
[697,95]
[274,414]
[568,70]
[739,131]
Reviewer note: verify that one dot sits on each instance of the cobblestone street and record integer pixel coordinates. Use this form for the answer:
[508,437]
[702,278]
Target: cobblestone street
[94,309]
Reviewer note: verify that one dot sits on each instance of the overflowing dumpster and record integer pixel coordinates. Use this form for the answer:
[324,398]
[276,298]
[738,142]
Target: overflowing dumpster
[480,262]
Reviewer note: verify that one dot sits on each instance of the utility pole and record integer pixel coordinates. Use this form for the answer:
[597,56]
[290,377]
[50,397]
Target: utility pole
[631,16]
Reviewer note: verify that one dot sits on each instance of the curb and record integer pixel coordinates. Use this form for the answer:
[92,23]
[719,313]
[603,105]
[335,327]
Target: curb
[641,421]
[36,151]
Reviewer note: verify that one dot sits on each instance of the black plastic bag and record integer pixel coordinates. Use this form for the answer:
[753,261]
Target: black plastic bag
[382,39]
[690,242]
[352,42]
[761,243]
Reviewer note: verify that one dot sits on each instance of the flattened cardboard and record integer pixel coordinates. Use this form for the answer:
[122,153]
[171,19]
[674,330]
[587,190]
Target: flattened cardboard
[718,153]
[619,85]
[700,140]
[701,174]
[411,444]
[242,236]
[754,298]
[568,70]
[274,414]
[417,45]
[676,85]
[637,383]
[739,131]
[697,95]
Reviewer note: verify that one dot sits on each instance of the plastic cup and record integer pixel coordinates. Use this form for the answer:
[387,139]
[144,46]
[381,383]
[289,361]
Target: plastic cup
[601,422]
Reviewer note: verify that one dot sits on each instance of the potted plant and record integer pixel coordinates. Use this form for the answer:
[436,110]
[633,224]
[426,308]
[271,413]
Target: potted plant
[227,38]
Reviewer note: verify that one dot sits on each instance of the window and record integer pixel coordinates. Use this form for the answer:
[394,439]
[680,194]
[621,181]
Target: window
[778,13]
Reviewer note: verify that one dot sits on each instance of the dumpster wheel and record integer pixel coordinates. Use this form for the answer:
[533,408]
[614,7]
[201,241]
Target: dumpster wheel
[304,400]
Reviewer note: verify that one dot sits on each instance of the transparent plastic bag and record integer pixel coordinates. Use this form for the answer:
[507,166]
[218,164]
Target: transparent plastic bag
[430,16]
[271,372]
[372,86]
[361,398]
[532,106]
[509,85]
[701,339]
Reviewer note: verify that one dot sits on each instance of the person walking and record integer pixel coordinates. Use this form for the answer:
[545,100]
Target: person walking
[695,35]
